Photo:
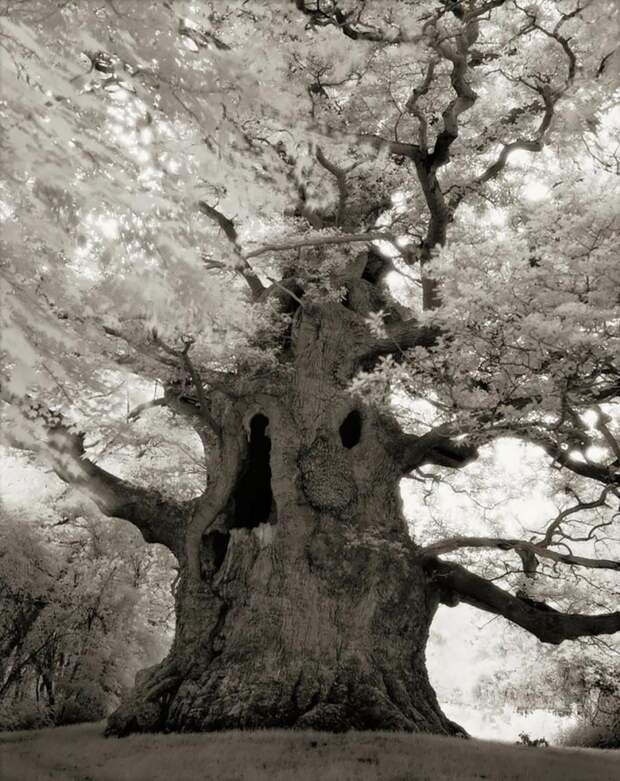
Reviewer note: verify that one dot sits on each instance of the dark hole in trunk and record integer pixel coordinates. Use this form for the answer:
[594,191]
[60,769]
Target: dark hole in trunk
[214,548]
[253,498]
[220,546]
[376,267]
[351,429]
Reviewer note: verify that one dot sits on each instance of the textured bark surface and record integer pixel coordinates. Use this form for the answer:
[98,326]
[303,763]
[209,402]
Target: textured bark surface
[299,603]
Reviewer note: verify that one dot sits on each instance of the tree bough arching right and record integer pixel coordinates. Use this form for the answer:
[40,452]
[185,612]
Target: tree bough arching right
[287,216]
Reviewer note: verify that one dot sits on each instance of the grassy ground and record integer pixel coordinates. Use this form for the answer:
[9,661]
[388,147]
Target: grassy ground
[81,753]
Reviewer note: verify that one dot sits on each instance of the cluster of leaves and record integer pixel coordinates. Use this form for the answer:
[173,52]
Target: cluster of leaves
[103,182]
[529,318]
[578,680]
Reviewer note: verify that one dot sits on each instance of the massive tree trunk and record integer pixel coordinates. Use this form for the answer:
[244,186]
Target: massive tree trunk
[302,600]
[299,603]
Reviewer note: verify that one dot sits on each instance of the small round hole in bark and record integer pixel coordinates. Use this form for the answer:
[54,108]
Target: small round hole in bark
[253,498]
[351,429]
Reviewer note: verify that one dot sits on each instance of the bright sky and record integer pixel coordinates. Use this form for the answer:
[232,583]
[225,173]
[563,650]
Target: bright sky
[456,656]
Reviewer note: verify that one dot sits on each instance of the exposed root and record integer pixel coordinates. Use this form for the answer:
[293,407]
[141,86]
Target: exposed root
[145,708]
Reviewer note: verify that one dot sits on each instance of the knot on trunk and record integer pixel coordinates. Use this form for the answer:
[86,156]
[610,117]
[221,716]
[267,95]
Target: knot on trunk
[326,476]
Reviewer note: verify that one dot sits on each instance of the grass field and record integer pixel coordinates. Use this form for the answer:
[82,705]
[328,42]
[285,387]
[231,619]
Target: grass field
[81,753]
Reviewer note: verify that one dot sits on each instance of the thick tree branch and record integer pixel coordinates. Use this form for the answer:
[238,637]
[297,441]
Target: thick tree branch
[329,14]
[435,447]
[401,336]
[550,98]
[320,241]
[440,217]
[396,148]
[441,210]
[340,174]
[533,144]
[428,163]
[228,228]
[548,625]
[158,519]
[608,475]
[411,106]
[465,95]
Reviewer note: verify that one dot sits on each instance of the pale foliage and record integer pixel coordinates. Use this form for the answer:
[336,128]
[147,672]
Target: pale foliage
[119,117]
[84,605]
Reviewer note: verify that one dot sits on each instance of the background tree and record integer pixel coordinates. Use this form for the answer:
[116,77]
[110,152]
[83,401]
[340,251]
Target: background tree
[83,607]
[329,263]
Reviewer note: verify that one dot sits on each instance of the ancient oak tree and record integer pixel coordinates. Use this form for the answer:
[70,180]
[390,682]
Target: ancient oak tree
[289,215]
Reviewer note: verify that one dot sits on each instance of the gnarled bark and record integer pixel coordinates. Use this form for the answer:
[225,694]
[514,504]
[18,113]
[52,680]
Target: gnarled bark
[302,601]
[299,603]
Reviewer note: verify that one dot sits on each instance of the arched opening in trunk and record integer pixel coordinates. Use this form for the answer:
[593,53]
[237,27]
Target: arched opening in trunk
[252,501]
[351,429]
[253,497]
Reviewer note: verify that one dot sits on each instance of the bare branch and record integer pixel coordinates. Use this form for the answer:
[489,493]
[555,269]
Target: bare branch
[539,549]
[229,230]
[184,359]
[320,241]
[203,403]
[555,525]
[143,348]
[340,175]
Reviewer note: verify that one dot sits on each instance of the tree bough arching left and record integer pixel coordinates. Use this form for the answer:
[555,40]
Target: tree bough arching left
[318,229]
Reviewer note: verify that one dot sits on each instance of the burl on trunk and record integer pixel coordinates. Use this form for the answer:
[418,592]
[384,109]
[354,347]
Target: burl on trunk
[299,603]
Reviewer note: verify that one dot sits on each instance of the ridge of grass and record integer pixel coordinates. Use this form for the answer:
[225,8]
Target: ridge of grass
[81,753]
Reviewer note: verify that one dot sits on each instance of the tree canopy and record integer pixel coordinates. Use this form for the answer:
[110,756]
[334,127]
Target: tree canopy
[182,179]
